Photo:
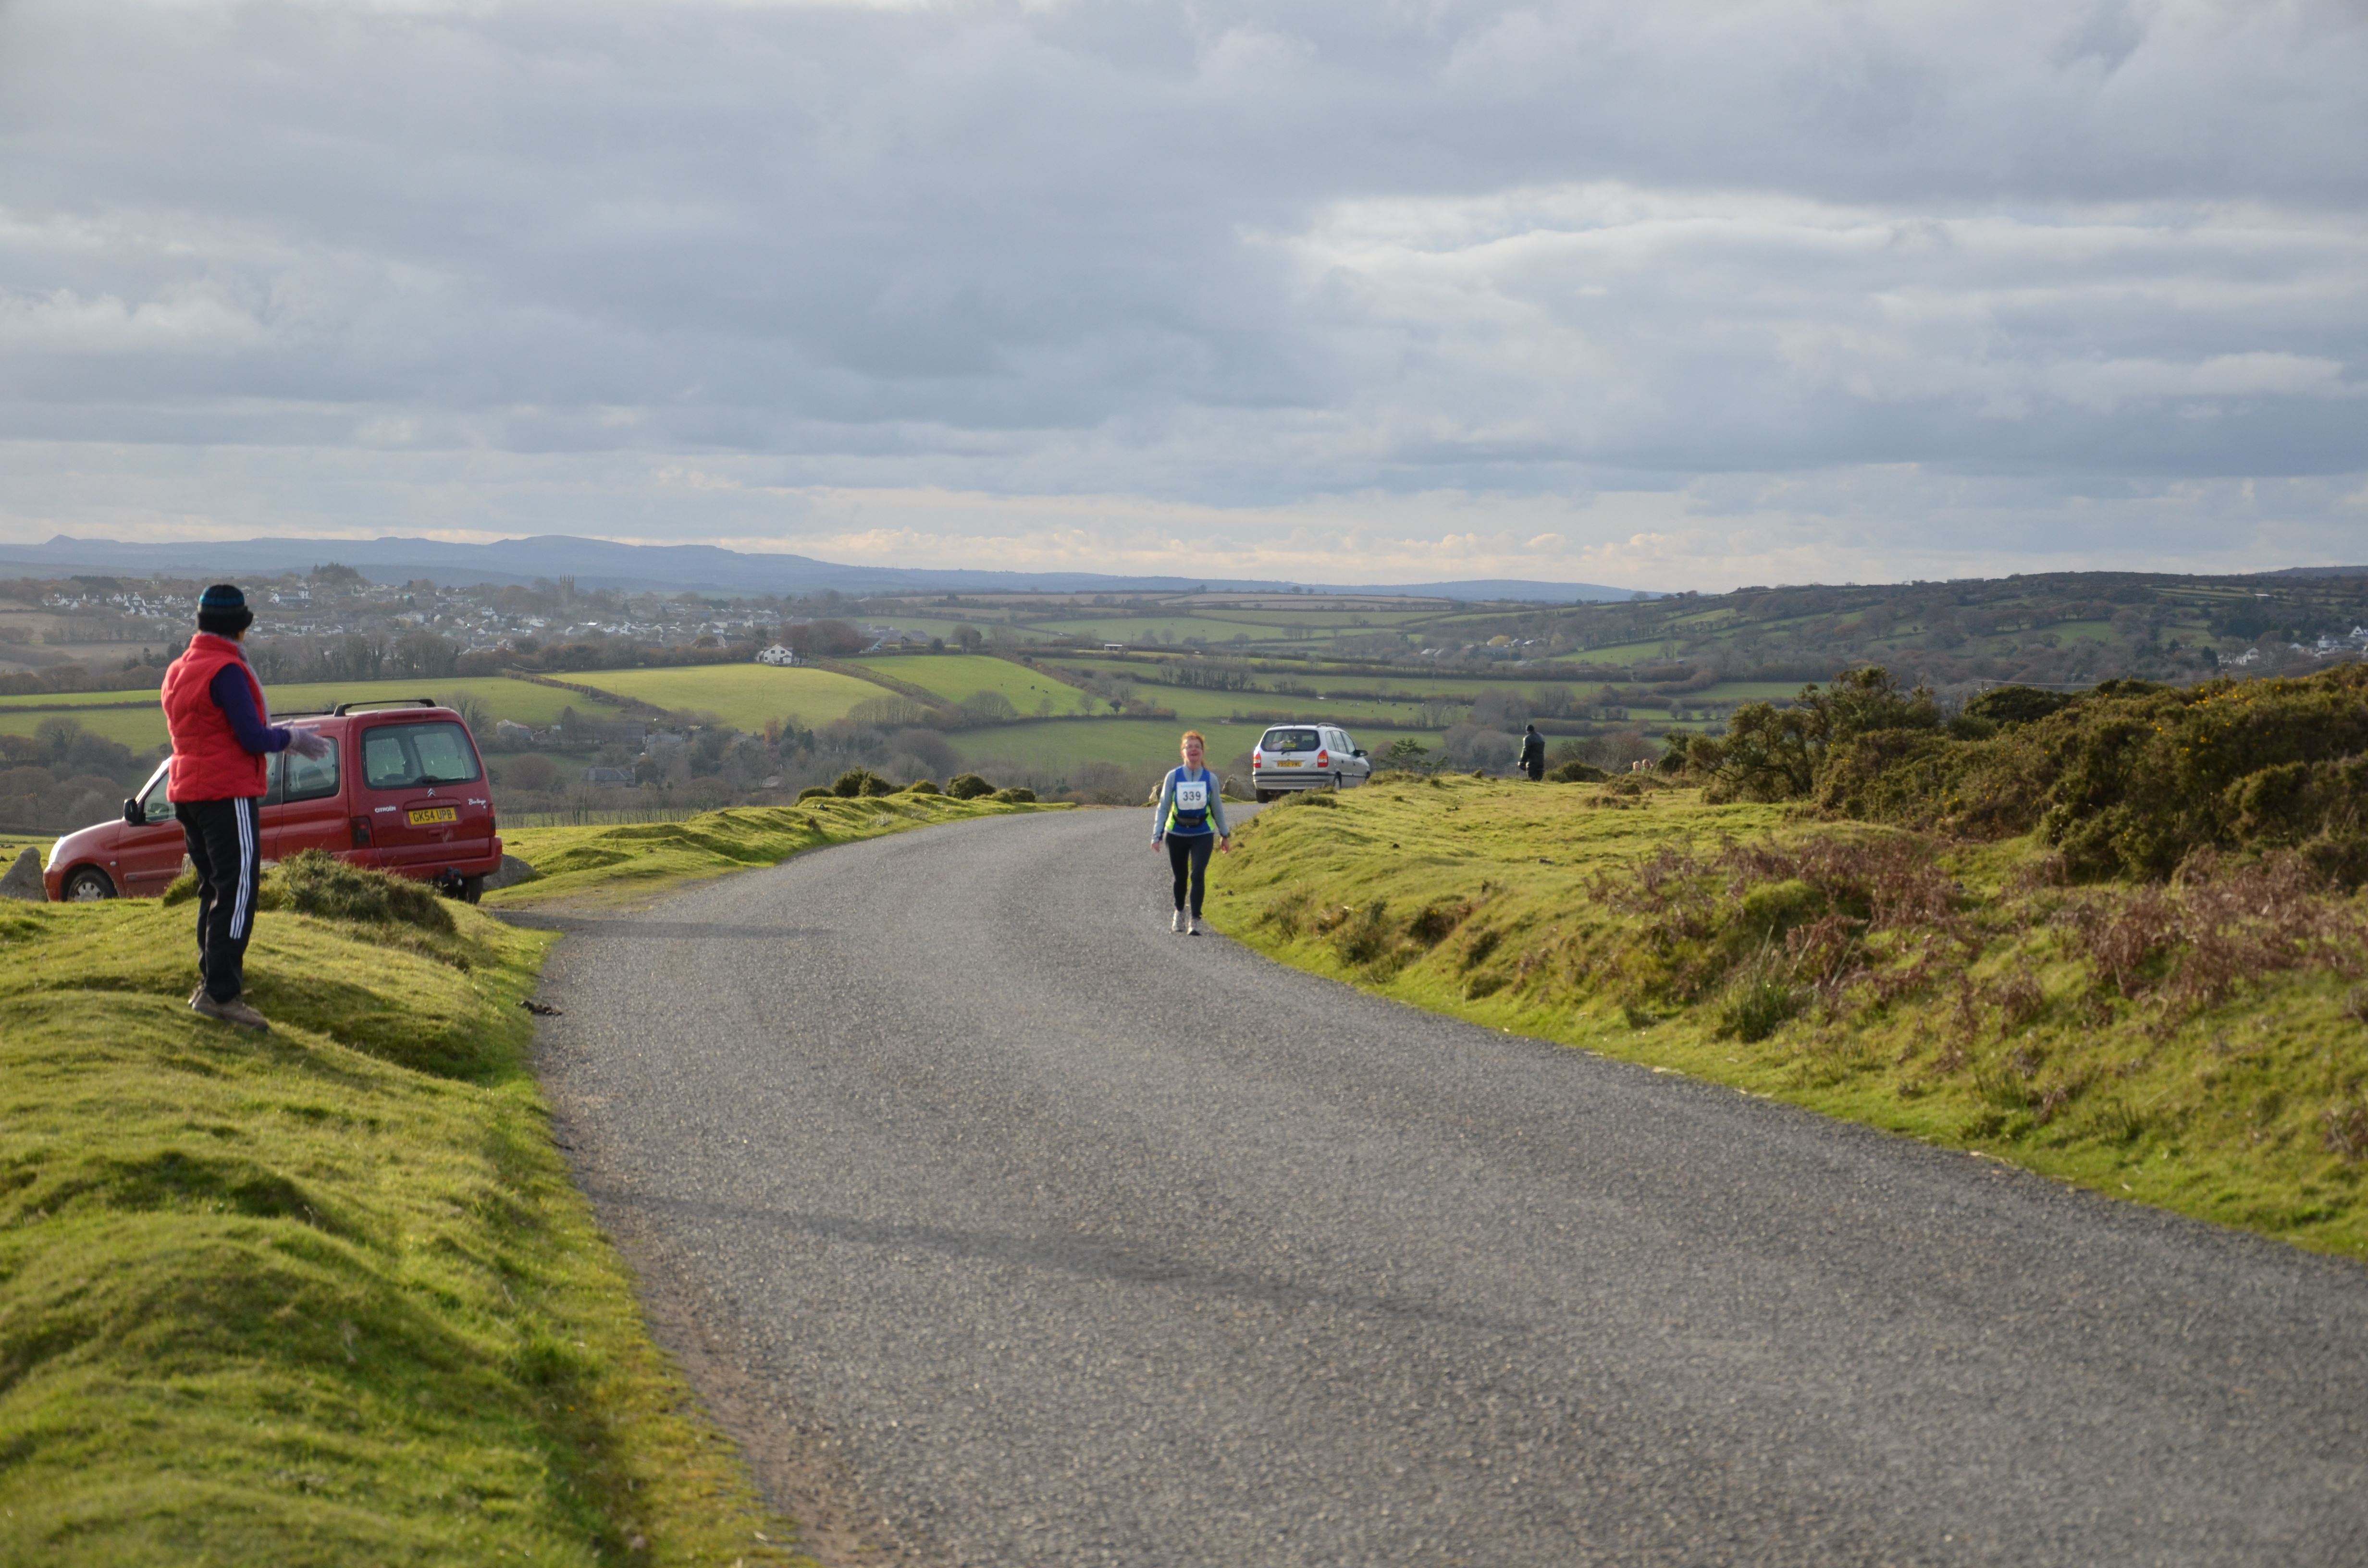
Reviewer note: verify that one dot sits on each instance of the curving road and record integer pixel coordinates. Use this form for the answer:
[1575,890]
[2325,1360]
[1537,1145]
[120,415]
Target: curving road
[1006,1227]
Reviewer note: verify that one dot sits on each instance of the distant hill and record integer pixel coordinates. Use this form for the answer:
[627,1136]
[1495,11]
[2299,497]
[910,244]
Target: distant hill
[604,563]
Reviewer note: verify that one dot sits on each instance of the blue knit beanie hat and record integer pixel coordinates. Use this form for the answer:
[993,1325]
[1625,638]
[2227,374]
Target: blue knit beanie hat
[221,609]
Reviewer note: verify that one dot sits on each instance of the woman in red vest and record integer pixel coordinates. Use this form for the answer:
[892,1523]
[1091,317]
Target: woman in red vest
[215,714]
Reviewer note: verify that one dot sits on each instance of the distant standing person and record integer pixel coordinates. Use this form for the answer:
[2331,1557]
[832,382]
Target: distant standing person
[215,714]
[1191,820]
[1534,753]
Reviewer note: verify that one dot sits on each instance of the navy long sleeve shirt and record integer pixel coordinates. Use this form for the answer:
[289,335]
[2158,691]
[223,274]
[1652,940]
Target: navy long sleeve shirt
[236,699]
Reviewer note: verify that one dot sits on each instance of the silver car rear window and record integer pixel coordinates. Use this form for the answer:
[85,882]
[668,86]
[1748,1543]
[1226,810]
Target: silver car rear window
[1289,740]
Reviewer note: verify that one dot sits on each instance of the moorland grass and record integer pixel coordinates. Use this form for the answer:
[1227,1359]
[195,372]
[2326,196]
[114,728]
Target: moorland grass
[2202,1046]
[325,1295]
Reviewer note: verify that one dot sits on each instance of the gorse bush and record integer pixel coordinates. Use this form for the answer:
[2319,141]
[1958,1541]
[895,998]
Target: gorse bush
[2128,780]
[861,783]
[968,786]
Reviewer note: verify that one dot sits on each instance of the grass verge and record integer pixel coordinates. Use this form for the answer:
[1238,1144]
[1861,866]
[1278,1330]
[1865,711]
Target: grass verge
[329,1295]
[609,864]
[2202,1046]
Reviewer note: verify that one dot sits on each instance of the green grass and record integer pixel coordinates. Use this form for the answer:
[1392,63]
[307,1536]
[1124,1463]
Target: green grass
[1501,902]
[329,1295]
[326,1296]
[520,701]
[956,675]
[74,698]
[139,728]
[635,860]
[745,696]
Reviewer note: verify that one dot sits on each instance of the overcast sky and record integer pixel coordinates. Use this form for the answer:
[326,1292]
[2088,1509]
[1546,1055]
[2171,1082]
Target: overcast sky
[1666,294]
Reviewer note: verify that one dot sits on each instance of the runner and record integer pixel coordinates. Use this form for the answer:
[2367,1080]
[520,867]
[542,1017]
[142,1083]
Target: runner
[215,715]
[1191,820]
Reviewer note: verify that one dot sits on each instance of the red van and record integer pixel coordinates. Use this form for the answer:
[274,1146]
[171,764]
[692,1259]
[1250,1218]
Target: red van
[404,789]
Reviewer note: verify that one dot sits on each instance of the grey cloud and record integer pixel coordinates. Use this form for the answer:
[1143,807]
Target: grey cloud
[1223,252]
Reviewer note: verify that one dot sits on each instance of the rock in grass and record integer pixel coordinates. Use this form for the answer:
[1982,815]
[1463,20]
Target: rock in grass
[511,872]
[24,878]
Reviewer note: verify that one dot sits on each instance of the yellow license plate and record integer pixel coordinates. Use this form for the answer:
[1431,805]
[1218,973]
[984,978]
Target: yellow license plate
[428,816]
[1287,763]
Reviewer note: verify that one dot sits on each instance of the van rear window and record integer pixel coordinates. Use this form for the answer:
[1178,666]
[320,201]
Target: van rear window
[1289,740]
[397,756]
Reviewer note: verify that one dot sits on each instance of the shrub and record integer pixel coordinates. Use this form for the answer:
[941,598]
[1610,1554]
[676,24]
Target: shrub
[1772,754]
[1364,935]
[2005,705]
[1760,1003]
[1015,797]
[922,787]
[814,792]
[2132,778]
[968,786]
[861,783]
[1437,920]
[1578,773]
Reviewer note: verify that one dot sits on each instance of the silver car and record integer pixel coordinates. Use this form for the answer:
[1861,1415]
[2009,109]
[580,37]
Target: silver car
[1305,756]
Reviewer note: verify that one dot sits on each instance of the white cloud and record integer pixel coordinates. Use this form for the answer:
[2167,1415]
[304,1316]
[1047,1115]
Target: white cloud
[1460,271]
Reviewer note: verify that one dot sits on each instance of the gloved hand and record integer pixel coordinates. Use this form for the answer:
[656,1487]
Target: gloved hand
[309,743]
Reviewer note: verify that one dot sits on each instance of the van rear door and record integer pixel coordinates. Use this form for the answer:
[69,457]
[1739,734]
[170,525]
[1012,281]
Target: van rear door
[424,790]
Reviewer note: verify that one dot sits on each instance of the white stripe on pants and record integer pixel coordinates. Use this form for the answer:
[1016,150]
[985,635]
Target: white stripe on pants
[242,912]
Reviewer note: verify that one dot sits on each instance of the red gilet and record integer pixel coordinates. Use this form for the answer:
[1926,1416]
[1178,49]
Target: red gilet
[208,762]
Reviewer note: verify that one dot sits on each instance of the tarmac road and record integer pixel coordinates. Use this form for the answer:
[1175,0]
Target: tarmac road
[1004,1227]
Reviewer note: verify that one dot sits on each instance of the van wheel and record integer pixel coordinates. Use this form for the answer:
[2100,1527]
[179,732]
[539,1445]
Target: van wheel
[1336,785]
[88,884]
[468,890]
[1263,795]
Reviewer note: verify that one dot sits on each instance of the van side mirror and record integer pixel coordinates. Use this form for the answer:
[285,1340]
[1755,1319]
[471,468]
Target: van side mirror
[1358,752]
[133,815]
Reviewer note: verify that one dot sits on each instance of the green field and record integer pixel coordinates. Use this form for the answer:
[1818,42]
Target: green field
[520,701]
[1147,628]
[139,728]
[76,699]
[746,697]
[143,726]
[956,675]
[1983,1023]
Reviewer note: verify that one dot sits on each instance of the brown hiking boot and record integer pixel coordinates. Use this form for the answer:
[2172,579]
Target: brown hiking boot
[234,1011]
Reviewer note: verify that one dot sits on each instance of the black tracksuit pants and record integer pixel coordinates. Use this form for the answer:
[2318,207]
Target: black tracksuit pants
[226,847]
[1189,852]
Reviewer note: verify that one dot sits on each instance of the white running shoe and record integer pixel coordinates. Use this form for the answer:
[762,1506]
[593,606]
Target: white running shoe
[1178,924]
[1193,926]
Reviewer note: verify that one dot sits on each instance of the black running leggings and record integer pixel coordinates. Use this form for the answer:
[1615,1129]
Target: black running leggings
[1190,851]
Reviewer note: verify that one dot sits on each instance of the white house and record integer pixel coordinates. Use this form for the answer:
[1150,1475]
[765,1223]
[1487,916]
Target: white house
[777,654]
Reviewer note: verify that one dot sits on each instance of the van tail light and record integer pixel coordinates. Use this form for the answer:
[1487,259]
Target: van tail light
[361,832]
[1323,759]
[1258,760]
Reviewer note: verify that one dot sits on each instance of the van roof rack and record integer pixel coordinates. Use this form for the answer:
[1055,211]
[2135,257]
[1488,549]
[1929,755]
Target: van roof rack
[342,708]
